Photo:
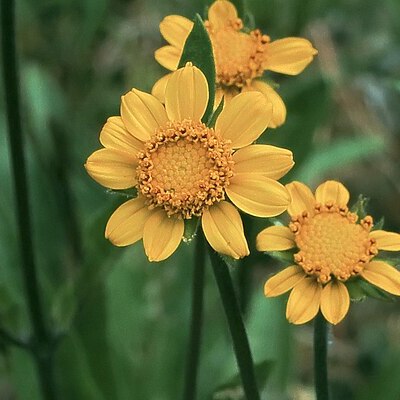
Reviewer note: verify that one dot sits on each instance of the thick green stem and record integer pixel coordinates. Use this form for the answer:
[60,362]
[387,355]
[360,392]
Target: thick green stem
[236,326]
[320,358]
[193,356]
[11,85]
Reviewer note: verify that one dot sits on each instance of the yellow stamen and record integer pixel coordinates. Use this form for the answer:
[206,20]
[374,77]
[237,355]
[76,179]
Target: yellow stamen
[238,55]
[332,243]
[185,168]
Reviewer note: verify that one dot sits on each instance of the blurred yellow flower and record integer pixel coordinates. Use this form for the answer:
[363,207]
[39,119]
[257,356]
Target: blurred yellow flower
[333,247]
[240,57]
[183,169]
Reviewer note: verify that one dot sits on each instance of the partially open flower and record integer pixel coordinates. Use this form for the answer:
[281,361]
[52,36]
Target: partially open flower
[184,169]
[240,57]
[333,247]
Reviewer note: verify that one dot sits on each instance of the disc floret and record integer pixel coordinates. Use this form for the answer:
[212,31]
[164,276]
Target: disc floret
[185,168]
[331,243]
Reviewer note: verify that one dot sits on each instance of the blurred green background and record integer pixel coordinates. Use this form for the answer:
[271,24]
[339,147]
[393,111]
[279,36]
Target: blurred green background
[126,320]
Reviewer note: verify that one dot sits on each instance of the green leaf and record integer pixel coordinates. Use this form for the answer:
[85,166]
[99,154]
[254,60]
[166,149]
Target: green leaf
[341,152]
[64,307]
[198,51]
[233,390]
[213,119]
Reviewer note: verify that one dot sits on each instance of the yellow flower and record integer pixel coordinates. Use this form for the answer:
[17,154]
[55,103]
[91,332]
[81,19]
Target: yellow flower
[240,57]
[184,169]
[333,247]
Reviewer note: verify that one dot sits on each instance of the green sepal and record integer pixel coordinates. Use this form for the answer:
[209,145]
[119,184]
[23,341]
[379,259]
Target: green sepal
[374,292]
[213,119]
[285,257]
[229,261]
[191,226]
[233,390]
[127,193]
[356,292]
[360,206]
[198,51]
[379,224]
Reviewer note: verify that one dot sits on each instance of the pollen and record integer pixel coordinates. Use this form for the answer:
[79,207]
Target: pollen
[185,168]
[332,243]
[238,55]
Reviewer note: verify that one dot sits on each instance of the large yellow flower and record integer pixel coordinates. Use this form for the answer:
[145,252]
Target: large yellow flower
[333,248]
[240,57]
[183,169]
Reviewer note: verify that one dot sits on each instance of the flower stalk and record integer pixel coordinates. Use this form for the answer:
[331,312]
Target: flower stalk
[193,355]
[320,357]
[236,326]
[41,341]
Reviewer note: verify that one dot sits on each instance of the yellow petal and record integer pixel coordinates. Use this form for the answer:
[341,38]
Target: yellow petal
[258,195]
[304,300]
[223,229]
[168,57]
[261,159]
[115,136]
[302,198]
[278,106]
[244,118]
[159,87]
[332,191]
[176,29]
[221,13]
[289,56]
[162,235]
[382,275]
[284,281]
[126,224]
[335,302]
[275,238]
[142,114]
[186,94]
[113,169]
[388,241]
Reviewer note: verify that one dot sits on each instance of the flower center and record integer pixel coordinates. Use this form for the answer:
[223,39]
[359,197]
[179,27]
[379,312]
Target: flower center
[238,56]
[185,168]
[332,243]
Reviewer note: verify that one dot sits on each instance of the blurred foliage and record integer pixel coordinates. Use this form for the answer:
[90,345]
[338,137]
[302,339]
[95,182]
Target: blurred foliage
[125,320]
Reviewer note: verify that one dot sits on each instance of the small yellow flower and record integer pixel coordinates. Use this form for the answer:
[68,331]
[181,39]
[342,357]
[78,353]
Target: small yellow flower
[183,169]
[333,247]
[240,57]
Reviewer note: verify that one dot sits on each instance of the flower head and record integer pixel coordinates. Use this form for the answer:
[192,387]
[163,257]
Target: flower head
[240,57]
[332,247]
[183,169]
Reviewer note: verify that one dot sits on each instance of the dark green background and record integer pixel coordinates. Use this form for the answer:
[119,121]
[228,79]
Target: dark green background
[126,320]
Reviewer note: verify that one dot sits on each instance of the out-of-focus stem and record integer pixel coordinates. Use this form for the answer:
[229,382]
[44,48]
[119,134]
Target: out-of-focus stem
[41,339]
[193,355]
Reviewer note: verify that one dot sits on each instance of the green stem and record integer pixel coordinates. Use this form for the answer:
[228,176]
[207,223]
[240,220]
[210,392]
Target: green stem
[320,357]
[193,356]
[8,338]
[11,82]
[236,326]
